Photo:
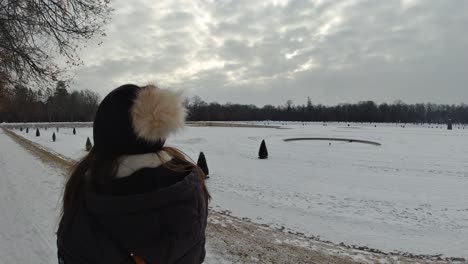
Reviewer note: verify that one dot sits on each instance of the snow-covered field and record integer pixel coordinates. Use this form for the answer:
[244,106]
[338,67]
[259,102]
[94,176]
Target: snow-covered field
[410,194]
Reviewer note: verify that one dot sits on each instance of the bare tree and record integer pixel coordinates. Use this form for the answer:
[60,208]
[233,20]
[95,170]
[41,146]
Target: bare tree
[35,33]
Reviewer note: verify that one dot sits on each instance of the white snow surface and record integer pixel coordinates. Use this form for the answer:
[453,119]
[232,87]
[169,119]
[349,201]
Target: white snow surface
[29,206]
[409,194]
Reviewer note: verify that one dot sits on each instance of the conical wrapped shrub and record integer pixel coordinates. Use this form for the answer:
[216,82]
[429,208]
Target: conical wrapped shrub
[89,146]
[263,152]
[202,164]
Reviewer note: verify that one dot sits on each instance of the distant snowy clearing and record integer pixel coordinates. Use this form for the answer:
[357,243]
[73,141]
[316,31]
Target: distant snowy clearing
[409,194]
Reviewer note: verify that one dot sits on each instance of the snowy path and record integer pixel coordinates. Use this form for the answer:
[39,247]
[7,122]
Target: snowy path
[29,195]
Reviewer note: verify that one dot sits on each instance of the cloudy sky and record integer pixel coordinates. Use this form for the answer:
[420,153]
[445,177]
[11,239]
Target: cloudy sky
[266,52]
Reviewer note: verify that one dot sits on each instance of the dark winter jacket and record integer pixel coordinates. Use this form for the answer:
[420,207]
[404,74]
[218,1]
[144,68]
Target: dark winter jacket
[156,214]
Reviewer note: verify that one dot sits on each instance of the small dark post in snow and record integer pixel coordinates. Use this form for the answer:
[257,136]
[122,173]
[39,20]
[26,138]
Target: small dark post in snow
[74,131]
[449,124]
[37,132]
[89,146]
[263,152]
[27,130]
[202,164]
[21,129]
[53,137]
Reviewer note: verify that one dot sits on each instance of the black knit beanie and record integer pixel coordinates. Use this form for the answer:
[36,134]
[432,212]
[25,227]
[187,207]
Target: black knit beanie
[136,120]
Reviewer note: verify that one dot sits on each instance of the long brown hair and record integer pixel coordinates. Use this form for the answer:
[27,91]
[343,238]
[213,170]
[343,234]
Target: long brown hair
[97,169]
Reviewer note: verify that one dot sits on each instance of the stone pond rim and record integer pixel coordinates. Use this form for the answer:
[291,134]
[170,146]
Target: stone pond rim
[350,140]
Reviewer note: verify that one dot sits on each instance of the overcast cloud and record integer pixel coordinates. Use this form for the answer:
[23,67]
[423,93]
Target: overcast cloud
[266,52]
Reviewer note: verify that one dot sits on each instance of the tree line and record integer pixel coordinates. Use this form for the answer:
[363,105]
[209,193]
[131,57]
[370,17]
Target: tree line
[21,104]
[365,111]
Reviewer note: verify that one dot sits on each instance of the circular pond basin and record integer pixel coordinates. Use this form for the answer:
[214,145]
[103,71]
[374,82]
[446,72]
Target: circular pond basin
[349,140]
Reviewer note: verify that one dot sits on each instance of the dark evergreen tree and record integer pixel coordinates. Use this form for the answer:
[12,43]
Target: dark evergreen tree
[449,124]
[27,130]
[74,131]
[57,129]
[89,146]
[202,164]
[37,132]
[263,152]
[53,137]
[21,129]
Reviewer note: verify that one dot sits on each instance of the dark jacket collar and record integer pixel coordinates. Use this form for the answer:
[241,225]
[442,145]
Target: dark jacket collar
[183,190]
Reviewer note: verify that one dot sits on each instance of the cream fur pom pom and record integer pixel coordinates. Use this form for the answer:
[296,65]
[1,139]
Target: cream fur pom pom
[156,113]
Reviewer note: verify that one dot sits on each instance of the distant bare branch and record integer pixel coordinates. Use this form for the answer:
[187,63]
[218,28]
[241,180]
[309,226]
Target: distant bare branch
[33,33]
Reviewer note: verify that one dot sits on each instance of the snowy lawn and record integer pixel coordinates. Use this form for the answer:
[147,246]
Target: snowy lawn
[409,194]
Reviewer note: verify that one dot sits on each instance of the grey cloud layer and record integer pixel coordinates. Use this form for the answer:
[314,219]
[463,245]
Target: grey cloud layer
[268,52]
